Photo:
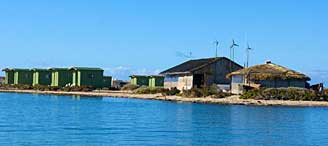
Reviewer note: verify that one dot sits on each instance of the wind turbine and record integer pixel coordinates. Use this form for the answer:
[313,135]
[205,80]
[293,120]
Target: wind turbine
[216,43]
[232,52]
[248,49]
[232,49]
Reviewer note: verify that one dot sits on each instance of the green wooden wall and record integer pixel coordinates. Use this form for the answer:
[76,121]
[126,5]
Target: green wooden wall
[156,82]
[23,77]
[41,77]
[107,82]
[140,80]
[9,78]
[92,78]
[61,78]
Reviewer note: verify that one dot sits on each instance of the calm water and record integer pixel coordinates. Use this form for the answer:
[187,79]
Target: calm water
[41,120]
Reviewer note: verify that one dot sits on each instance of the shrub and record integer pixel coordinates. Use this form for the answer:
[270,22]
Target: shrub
[41,87]
[54,88]
[194,92]
[149,90]
[172,91]
[130,87]
[291,93]
[212,91]
[23,87]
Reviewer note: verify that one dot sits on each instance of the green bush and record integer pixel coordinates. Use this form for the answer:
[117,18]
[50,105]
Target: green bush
[212,91]
[171,92]
[23,87]
[149,90]
[130,87]
[54,88]
[41,87]
[292,93]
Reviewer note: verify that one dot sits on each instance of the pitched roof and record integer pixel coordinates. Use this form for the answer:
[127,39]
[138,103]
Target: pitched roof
[86,68]
[135,76]
[54,68]
[270,71]
[19,69]
[6,69]
[193,65]
[39,69]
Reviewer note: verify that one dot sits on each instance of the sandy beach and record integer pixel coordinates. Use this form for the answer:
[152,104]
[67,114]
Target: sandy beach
[235,100]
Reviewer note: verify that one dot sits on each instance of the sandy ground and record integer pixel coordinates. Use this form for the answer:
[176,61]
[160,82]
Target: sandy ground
[229,100]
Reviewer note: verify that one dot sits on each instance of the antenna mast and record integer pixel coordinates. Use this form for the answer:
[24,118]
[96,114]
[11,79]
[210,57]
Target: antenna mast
[216,42]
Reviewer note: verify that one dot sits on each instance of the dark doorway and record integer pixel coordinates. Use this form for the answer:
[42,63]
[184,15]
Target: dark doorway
[198,80]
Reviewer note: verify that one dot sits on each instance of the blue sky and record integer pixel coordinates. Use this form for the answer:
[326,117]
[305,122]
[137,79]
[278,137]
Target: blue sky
[146,36]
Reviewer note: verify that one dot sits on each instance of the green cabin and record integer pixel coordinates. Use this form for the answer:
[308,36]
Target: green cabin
[22,76]
[84,76]
[156,81]
[9,76]
[41,76]
[140,80]
[60,77]
[107,81]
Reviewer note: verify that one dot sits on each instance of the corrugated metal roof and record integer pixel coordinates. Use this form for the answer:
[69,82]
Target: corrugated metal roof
[86,68]
[193,65]
[54,68]
[20,69]
[132,76]
[39,69]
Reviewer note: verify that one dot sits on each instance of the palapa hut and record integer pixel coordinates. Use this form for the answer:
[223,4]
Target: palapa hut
[266,75]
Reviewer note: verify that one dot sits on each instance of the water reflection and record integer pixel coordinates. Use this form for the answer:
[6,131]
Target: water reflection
[78,120]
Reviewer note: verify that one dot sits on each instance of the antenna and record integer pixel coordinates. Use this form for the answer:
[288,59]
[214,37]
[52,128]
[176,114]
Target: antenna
[216,43]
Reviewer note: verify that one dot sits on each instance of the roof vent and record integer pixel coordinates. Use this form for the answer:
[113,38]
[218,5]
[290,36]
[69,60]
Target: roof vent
[268,62]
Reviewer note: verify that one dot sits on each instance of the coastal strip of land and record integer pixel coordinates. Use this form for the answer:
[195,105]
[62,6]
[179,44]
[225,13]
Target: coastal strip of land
[233,100]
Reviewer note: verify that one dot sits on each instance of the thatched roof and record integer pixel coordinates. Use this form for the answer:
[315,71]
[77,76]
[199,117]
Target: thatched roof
[270,71]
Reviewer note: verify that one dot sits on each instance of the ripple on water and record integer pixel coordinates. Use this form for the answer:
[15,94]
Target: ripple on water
[41,120]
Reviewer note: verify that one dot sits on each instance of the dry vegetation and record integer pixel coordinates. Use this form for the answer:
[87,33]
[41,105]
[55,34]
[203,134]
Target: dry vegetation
[295,94]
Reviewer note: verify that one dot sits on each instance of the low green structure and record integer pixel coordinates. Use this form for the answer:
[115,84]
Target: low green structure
[84,76]
[107,82]
[41,76]
[60,77]
[9,76]
[140,80]
[22,76]
[144,80]
[156,81]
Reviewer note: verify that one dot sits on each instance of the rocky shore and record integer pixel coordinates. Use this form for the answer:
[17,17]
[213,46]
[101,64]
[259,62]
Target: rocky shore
[235,100]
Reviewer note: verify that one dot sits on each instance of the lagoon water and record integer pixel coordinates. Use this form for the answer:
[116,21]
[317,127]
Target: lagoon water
[42,120]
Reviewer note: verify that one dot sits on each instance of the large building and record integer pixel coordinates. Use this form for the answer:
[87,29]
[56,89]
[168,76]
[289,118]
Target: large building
[267,75]
[199,73]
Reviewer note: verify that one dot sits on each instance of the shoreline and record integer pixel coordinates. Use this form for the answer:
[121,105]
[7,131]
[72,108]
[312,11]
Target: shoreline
[232,100]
